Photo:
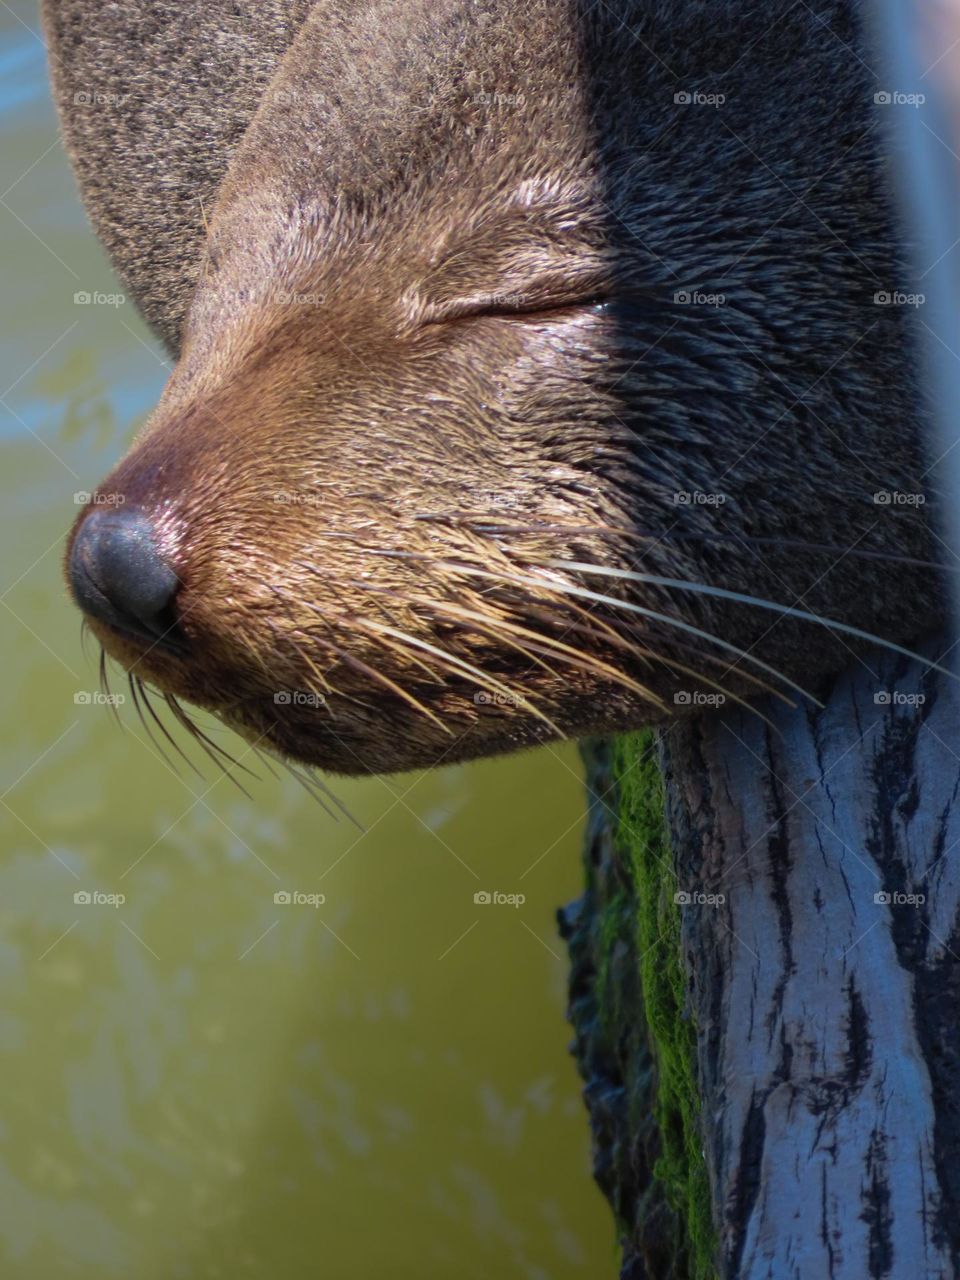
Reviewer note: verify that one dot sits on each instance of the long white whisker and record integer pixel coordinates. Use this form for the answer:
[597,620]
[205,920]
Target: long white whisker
[676,623]
[724,594]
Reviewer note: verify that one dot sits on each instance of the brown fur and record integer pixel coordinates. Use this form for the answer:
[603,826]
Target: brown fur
[433,348]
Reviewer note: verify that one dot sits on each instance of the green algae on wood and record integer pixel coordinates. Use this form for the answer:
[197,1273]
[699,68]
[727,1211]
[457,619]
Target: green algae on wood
[641,838]
[634,1044]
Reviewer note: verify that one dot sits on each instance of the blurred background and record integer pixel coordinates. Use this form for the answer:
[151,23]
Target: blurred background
[199,1081]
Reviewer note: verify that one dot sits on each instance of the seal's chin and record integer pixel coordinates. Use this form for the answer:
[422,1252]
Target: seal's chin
[357,734]
[374,736]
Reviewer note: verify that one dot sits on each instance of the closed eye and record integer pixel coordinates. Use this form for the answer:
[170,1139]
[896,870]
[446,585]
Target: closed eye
[521,307]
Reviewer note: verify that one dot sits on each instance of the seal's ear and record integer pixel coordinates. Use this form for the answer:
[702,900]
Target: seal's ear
[150,126]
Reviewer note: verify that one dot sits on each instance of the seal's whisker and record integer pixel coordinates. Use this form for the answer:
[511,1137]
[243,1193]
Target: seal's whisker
[359,665]
[320,675]
[326,687]
[695,673]
[483,678]
[135,690]
[627,643]
[313,792]
[495,623]
[408,657]
[722,593]
[85,634]
[213,749]
[449,660]
[590,662]
[106,691]
[496,627]
[407,697]
[145,695]
[570,589]
[316,787]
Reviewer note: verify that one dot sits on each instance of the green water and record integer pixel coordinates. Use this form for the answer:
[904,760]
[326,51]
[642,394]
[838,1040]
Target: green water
[201,1082]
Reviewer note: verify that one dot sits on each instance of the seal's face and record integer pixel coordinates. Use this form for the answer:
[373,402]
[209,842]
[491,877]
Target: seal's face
[454,443]
[362,493]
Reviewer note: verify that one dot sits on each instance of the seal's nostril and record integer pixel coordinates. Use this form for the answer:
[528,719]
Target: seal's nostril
[119,577]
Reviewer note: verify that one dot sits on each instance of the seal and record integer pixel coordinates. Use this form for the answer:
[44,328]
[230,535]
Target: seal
[543,370]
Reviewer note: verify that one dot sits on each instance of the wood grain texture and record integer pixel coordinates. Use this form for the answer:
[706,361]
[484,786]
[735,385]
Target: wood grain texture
[823,959]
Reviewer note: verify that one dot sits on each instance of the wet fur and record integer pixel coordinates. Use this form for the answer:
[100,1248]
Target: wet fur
[441,444]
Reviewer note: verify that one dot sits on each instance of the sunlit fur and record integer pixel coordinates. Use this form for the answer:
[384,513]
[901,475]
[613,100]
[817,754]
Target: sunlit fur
[434,358]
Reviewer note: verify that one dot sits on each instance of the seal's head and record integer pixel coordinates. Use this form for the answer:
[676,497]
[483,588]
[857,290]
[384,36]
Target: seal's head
[494,364]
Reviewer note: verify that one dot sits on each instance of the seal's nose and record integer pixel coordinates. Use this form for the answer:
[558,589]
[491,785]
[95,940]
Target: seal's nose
[119,577]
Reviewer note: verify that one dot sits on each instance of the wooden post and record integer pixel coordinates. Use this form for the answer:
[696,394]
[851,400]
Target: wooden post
[817,879]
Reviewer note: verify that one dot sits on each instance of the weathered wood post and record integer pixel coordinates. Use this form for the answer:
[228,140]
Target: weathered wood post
[816,893]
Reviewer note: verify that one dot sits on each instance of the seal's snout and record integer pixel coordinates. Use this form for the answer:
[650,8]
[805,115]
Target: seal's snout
[119,577]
